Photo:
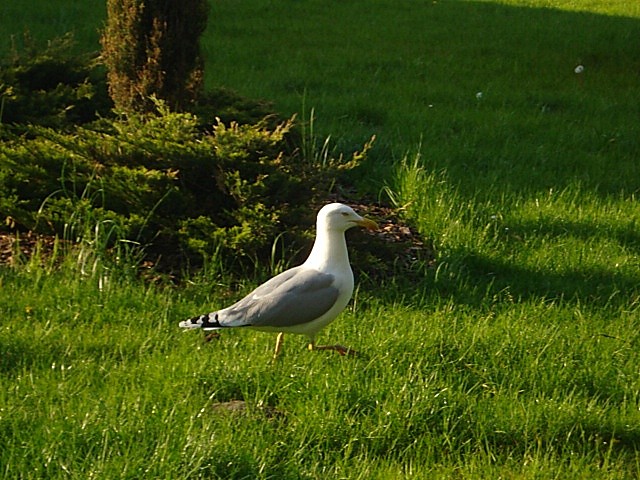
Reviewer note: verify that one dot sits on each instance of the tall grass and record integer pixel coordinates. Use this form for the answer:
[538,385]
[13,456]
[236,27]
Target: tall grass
[516,356]
[569,244]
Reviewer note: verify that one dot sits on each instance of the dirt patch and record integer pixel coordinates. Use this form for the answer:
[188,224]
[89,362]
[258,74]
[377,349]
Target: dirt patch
[16,248]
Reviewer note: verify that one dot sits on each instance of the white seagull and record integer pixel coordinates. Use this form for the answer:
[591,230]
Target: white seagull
[303,299]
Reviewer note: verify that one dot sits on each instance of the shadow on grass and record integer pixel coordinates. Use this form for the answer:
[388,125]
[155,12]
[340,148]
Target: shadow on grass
[589,283]
[537,124]
[472,277]
[626,235]
[499,277]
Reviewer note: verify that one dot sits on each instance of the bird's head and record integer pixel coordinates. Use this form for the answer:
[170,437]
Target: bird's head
[340,217]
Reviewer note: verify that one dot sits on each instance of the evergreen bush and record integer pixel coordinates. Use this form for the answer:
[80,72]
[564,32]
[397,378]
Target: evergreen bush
[181,191]
[51,86]
[219,182]
[151,48]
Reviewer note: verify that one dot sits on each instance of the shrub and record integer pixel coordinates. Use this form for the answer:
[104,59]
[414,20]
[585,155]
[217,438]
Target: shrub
[50,86]
[151,48]
[166,183]
[219,182]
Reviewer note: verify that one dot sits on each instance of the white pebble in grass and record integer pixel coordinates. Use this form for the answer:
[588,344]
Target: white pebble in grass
[579,69]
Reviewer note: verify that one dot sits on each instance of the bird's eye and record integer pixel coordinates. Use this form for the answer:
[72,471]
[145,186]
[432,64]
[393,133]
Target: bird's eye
[344,214]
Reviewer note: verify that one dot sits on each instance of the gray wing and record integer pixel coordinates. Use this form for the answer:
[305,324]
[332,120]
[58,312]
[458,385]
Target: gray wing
[294,297]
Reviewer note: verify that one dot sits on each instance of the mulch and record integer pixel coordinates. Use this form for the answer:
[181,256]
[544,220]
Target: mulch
[16,248]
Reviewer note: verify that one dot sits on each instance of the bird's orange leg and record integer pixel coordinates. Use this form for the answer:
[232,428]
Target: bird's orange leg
[342,350]
[279,341]
[210,336]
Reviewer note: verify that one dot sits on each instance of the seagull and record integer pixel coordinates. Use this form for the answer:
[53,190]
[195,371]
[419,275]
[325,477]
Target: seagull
[303,299]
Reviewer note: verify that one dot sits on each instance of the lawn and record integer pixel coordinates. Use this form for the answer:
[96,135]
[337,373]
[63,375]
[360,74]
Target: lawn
[516,355]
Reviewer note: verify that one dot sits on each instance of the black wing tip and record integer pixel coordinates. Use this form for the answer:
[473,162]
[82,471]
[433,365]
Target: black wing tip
[207,321]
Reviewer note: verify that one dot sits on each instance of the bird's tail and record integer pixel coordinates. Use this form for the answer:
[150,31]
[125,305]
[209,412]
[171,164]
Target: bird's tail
[208,321]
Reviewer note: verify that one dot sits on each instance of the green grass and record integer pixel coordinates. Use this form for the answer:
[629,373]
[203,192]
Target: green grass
[515,357]
[100,382]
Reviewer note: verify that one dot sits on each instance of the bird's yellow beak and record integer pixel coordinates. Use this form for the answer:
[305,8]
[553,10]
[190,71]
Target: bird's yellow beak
[368,224]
